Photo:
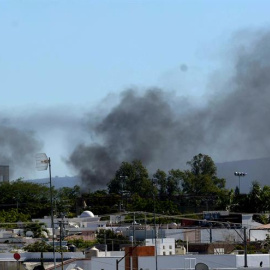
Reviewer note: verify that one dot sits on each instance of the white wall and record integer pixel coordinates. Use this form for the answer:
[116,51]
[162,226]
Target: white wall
[188,262]
[98,263]
[150,234]
[229,235]
[32,255]
[253,260]
[111,254]
[255,235]
[217,234]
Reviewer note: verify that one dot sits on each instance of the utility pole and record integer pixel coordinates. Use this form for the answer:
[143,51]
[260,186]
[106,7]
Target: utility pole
[145,232]
[245,245]
[42,163]
[133,228]
[105,241]
[130,252]
[122,191]
[61,225]
[155,227]
[211,233]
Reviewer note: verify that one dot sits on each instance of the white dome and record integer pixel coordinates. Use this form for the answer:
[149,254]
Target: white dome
[29,234]
[86,214]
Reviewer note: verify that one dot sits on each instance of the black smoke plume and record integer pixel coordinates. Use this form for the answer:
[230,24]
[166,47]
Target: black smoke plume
[164,130]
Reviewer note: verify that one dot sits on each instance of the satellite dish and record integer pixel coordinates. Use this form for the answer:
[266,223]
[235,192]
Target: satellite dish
[42,162]
[201,266]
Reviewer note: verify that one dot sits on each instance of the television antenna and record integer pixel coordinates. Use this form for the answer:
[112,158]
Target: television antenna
[42,164]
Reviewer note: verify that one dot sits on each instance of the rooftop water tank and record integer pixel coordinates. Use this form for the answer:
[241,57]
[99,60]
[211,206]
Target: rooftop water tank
[93,252]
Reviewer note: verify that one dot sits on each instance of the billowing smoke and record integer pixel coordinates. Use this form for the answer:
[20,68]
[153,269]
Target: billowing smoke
[17,150]
[165,130]
[36,130]
[140,127]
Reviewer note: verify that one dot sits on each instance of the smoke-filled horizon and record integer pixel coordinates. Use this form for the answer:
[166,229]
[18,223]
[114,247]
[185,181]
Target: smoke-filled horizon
[162,129]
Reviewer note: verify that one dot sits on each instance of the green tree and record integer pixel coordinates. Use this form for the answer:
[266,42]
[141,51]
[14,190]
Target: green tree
[132,178]
[39,246]
[202,165]
[37,228]
[111,238]
[201,179]
[168,185]
[161,178]
[173,182]
[265,197]
[12,216]
[67,199]
[255,198]
[26,197]
[201,184]
[81,244]
[101,202]
[256,201]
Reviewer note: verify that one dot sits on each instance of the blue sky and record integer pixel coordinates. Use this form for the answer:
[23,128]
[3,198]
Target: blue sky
[75,53]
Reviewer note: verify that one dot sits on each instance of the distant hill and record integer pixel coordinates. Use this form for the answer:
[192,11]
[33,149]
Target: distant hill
[256,169]
[58,182]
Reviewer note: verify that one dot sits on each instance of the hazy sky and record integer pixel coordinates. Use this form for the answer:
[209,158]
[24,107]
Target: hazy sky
[60,61]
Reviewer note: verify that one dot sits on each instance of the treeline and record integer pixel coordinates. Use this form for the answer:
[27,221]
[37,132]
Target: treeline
[177,191]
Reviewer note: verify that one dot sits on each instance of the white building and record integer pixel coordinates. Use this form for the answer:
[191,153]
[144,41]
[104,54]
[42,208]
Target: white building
[255,231]
[165,246]
[84,225]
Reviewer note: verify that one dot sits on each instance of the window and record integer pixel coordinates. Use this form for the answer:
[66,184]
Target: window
[218,251]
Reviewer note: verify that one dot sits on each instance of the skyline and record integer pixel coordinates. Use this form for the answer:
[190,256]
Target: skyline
[66,66]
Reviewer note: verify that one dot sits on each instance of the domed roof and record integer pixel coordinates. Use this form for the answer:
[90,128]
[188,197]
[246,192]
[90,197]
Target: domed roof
[86,214]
